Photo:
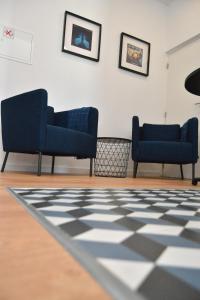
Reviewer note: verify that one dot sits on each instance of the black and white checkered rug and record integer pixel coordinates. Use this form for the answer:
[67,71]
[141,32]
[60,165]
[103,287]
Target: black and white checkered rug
[139,244]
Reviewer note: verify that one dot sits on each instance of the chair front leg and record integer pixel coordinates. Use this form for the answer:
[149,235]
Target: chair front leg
[4,162]
[194,180]
[91,166]
[181,168]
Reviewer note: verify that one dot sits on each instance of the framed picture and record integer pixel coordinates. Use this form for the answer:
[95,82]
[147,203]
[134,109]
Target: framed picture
[81,37]
[134,54]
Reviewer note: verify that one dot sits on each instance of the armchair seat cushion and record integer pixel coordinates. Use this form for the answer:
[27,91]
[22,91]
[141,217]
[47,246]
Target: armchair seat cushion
[67,142]
[164,152]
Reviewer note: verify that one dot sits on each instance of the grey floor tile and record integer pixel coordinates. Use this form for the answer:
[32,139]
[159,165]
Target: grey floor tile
[191,235]
[75,227]
[190,276]
[41,204]
[129,223]
[109,250]
[144,246]
[80,212]
[161,285]
[174,220]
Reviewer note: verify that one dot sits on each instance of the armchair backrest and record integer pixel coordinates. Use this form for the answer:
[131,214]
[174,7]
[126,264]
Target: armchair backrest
[50,115]
[24,119]
[161,132]
[83,119]
[187,133]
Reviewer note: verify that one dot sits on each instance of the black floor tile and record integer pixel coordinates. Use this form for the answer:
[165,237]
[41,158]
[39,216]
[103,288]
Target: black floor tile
[161,285]
[144,246]
[130,223]
[75,227]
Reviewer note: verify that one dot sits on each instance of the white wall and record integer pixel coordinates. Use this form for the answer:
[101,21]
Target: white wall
[183,21]
[74,82]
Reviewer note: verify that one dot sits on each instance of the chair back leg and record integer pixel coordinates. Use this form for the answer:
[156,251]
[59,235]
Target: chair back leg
[39,163]
[4,162]
[135,167]
[52,165]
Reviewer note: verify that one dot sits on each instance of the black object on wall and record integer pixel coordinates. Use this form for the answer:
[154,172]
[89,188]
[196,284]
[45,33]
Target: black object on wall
[192,82]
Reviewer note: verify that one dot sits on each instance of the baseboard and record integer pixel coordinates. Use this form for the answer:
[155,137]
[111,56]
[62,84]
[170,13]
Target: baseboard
[47,169]
[71,170]
[59,169]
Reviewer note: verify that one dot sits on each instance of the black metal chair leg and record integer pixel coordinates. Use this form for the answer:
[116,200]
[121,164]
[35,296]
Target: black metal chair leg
[91,166]
[181,168]
[194,180]
[4,162]
[52,165]
[39,163]
[135,167]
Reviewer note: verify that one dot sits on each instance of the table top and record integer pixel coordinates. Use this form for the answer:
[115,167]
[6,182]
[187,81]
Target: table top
[114,139]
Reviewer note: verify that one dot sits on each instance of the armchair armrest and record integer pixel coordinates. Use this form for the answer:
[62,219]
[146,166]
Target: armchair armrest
[24,120]
[136,137]
[189,133]
[135,131]
[83,119]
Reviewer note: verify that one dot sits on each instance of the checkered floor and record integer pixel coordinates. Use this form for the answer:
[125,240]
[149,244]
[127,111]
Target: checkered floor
[149,240]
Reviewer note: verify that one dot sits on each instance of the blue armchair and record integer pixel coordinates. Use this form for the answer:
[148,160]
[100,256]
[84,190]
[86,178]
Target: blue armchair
[167,144]
[30,126]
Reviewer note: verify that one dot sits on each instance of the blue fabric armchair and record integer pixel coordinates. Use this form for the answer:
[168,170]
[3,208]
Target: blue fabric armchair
[167,144]
[30,126]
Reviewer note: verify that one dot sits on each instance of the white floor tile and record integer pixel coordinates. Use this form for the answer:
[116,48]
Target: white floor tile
[101,217]
[59,220]
[155,199]
[104,235]
[58,208]
[102,200]
[165,204]
[180,257]
[194,204]
[33,201]
[146,214]
[180,212]
[100,195]
[177,198]
[130,199]
[135,205]
[161,229]
[63,200]
[132,273]
[193,225]
[101,206]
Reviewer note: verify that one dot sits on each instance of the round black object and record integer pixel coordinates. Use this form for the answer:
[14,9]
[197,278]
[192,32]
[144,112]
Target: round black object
[194,182]
[192,82]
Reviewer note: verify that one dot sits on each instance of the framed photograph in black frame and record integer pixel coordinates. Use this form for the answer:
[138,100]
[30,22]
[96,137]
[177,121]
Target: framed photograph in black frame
[134,54]
[81,36]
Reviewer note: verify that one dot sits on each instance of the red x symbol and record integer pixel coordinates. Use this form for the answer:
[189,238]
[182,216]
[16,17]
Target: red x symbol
[8,33]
